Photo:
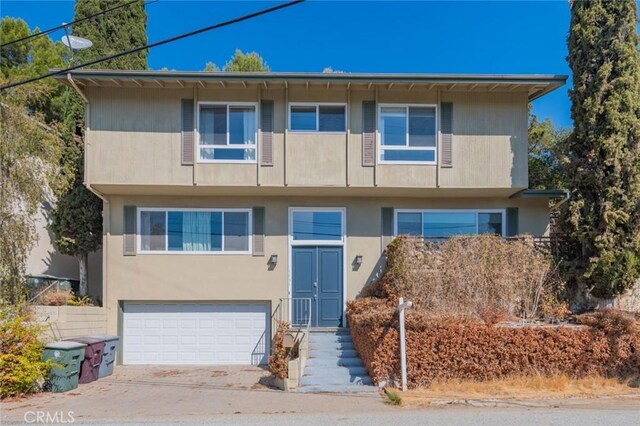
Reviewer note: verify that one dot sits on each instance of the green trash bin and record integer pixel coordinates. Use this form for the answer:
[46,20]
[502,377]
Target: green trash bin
[67,357]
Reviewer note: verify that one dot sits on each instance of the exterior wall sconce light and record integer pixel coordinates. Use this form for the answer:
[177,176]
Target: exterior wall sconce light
[359,260]
[273,259]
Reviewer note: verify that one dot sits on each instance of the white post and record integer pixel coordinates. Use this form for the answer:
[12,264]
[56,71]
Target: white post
[403,344]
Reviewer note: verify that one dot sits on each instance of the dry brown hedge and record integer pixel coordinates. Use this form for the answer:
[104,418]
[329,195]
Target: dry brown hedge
[608,344]
[278,358]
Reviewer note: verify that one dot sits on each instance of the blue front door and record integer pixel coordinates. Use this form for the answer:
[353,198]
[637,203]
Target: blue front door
[317,273]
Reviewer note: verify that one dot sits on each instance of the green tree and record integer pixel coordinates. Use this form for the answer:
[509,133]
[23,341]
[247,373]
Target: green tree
[31,147]
[114,32]
[29,172]
[77,225]
[14,56]
[211,67]
[603,215]
[30,59]
[546,170]
[77,218]
[245,62]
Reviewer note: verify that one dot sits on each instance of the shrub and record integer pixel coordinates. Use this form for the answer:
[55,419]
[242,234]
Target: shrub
[278,359]
[478,275]
[65,297]
[443,348]
[393,397]
[22,370]
[81,301]
[612,322]
[56,298]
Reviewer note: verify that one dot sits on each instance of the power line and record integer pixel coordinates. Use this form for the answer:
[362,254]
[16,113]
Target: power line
[59,27]
[156,44]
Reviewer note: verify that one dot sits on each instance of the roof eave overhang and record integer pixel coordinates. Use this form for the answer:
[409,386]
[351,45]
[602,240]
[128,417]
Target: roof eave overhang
[541,193]
[536,85]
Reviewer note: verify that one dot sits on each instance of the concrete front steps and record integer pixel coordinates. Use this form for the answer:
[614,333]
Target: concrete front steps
[333,364]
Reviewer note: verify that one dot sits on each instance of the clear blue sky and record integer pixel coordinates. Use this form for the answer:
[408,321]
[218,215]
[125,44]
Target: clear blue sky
[359,36]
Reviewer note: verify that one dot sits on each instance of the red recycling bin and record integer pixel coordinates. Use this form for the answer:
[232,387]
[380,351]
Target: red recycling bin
[90,365]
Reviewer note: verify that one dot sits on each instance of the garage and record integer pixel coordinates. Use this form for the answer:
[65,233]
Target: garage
[195,333]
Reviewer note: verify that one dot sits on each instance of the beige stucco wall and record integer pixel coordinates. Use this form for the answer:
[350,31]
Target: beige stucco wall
[65,322]
[134,138]
[489,142]
[184,277]
[44,259]
[316,159]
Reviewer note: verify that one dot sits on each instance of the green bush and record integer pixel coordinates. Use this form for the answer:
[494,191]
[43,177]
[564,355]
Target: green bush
[22,370]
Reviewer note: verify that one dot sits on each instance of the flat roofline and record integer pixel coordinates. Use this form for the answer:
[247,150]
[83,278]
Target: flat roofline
[338,76]
[539,84]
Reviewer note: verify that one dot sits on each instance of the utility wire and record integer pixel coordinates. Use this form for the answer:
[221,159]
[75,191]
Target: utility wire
[59,27]
[158,43]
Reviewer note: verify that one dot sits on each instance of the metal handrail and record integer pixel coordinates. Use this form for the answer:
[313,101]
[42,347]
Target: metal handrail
[296,312]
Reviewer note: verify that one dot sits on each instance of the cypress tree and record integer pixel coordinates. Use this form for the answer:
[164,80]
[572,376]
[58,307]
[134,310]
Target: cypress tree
[602,219]
[114,32]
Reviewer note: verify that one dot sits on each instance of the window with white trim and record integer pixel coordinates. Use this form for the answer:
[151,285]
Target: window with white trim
[227,133]
[317,118]
[445,223]
[407,134]
[194,230]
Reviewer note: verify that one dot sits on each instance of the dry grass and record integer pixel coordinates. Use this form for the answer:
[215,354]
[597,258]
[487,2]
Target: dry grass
[480,275]
[56,298]
[526,387]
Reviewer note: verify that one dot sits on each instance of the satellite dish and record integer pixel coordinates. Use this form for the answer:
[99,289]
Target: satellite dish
[76,43]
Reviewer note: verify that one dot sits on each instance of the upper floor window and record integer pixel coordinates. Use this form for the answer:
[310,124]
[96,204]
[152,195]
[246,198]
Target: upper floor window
[193,230]
[317,117]
[228,133]
[445,223]
[407,134]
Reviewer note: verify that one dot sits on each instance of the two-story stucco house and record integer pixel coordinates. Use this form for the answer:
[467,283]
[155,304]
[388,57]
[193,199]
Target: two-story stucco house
[226,192]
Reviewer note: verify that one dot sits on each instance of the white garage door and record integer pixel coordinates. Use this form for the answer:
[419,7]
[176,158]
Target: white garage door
[195,334]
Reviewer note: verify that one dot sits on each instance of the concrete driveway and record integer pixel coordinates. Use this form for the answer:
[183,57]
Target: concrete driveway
[163,393]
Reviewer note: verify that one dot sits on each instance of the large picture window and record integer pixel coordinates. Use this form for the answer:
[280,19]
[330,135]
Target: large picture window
[446,223]
[407,134]
[194,231]
[228,133]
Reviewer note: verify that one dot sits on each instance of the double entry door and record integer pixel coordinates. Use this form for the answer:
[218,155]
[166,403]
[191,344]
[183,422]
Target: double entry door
[317,274]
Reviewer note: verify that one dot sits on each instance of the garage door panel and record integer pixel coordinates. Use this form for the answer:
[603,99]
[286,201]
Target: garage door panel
[170,358]
[215,333]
